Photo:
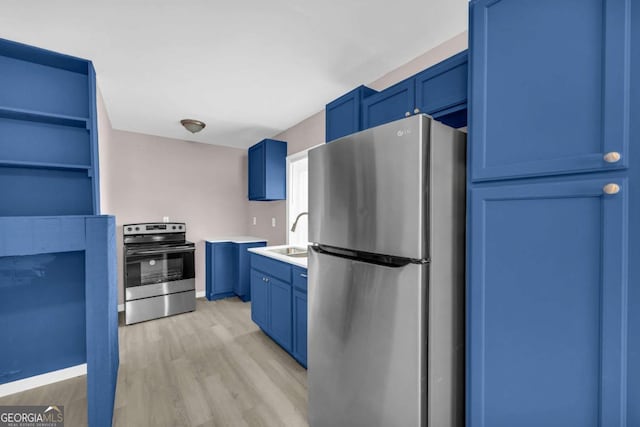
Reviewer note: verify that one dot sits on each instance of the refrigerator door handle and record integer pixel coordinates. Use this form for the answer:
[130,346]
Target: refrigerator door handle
[378,259]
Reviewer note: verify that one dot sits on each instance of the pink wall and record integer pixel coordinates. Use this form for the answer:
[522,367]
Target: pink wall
[311,132]
[144,178]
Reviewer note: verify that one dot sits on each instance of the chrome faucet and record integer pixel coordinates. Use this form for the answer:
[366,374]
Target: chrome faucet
[295,223]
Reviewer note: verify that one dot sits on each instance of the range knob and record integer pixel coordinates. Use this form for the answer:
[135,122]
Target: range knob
[180,227]
[129,228]
[137,228]
[173,228]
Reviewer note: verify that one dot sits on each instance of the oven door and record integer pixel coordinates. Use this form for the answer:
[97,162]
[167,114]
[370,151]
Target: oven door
[153,270]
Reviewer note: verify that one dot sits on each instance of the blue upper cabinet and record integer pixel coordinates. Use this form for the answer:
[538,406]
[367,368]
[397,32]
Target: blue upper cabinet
[547,303]
[344,115]
[267,170]
[48,133]
[549,87]
[391,104]
[440,91]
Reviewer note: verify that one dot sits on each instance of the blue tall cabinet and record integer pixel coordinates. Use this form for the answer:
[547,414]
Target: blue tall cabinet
[58,301]
[553,325]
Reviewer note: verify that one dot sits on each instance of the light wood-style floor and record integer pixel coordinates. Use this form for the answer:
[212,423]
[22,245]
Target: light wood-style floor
[212,367]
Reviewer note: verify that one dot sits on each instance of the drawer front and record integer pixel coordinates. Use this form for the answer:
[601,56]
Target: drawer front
[300,278]
[277,269]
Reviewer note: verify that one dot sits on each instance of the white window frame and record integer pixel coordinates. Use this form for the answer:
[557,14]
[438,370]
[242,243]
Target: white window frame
[292,158]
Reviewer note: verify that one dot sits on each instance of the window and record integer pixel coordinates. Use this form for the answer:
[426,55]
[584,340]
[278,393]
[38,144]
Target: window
[298,198]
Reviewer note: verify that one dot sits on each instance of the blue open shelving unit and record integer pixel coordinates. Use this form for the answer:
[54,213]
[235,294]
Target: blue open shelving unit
[58,301]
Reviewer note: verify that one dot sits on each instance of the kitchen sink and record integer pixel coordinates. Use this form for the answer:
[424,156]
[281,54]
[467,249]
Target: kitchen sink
[294,252]
[299,255]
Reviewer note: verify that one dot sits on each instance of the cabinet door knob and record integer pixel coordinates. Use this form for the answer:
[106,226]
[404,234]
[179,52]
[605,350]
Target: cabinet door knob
[304,276]
[407,114]
[611,188]
[612,157]
[417,110]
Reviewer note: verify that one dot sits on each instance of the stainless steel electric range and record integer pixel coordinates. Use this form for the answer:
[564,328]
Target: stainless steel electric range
[159,271]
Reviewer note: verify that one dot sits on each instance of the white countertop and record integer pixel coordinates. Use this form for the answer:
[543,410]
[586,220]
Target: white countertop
[236,239]
[299,262]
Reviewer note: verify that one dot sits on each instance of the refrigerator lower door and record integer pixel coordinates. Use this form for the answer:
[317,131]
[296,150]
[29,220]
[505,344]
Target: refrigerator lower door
[367,343]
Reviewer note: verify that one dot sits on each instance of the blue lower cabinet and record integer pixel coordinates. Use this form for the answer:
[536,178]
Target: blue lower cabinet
[547,303]
[227,269]
[280,317]
[300,326]
[260,300]
[279,303]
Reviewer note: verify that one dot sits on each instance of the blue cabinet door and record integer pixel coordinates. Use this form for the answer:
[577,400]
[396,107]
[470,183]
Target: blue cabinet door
[391,104]
[300,326]
[547,303]
[221,270]
[256,167]
[259,300]
[344,115]
[275,170]
[242,287]
[280,312]
[549,91]
[443,86]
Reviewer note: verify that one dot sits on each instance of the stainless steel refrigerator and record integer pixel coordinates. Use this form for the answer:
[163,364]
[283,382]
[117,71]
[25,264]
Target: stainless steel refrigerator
[386,277]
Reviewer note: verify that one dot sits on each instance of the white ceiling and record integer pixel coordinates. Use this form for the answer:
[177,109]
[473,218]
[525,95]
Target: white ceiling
[249,69]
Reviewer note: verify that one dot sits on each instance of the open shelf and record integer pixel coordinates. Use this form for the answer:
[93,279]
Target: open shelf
[41,117]
[39,191]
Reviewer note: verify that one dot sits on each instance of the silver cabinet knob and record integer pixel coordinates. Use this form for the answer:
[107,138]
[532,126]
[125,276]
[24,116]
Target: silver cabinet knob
[611,188]
[304,276]
[407,114]
[612,157]
[417,110]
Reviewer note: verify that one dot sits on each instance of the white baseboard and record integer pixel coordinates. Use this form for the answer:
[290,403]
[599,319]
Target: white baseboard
[199,294]
[43,379]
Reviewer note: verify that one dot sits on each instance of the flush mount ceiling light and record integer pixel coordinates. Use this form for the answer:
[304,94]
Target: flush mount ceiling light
[193,126]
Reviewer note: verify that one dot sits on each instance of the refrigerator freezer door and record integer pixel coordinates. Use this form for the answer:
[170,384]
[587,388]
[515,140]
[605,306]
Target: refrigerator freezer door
[367,191]
[367,343]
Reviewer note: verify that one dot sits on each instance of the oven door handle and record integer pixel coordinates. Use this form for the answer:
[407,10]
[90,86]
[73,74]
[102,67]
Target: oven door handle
[163,251]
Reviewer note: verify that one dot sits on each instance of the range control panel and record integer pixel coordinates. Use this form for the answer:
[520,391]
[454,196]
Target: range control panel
[154,228]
